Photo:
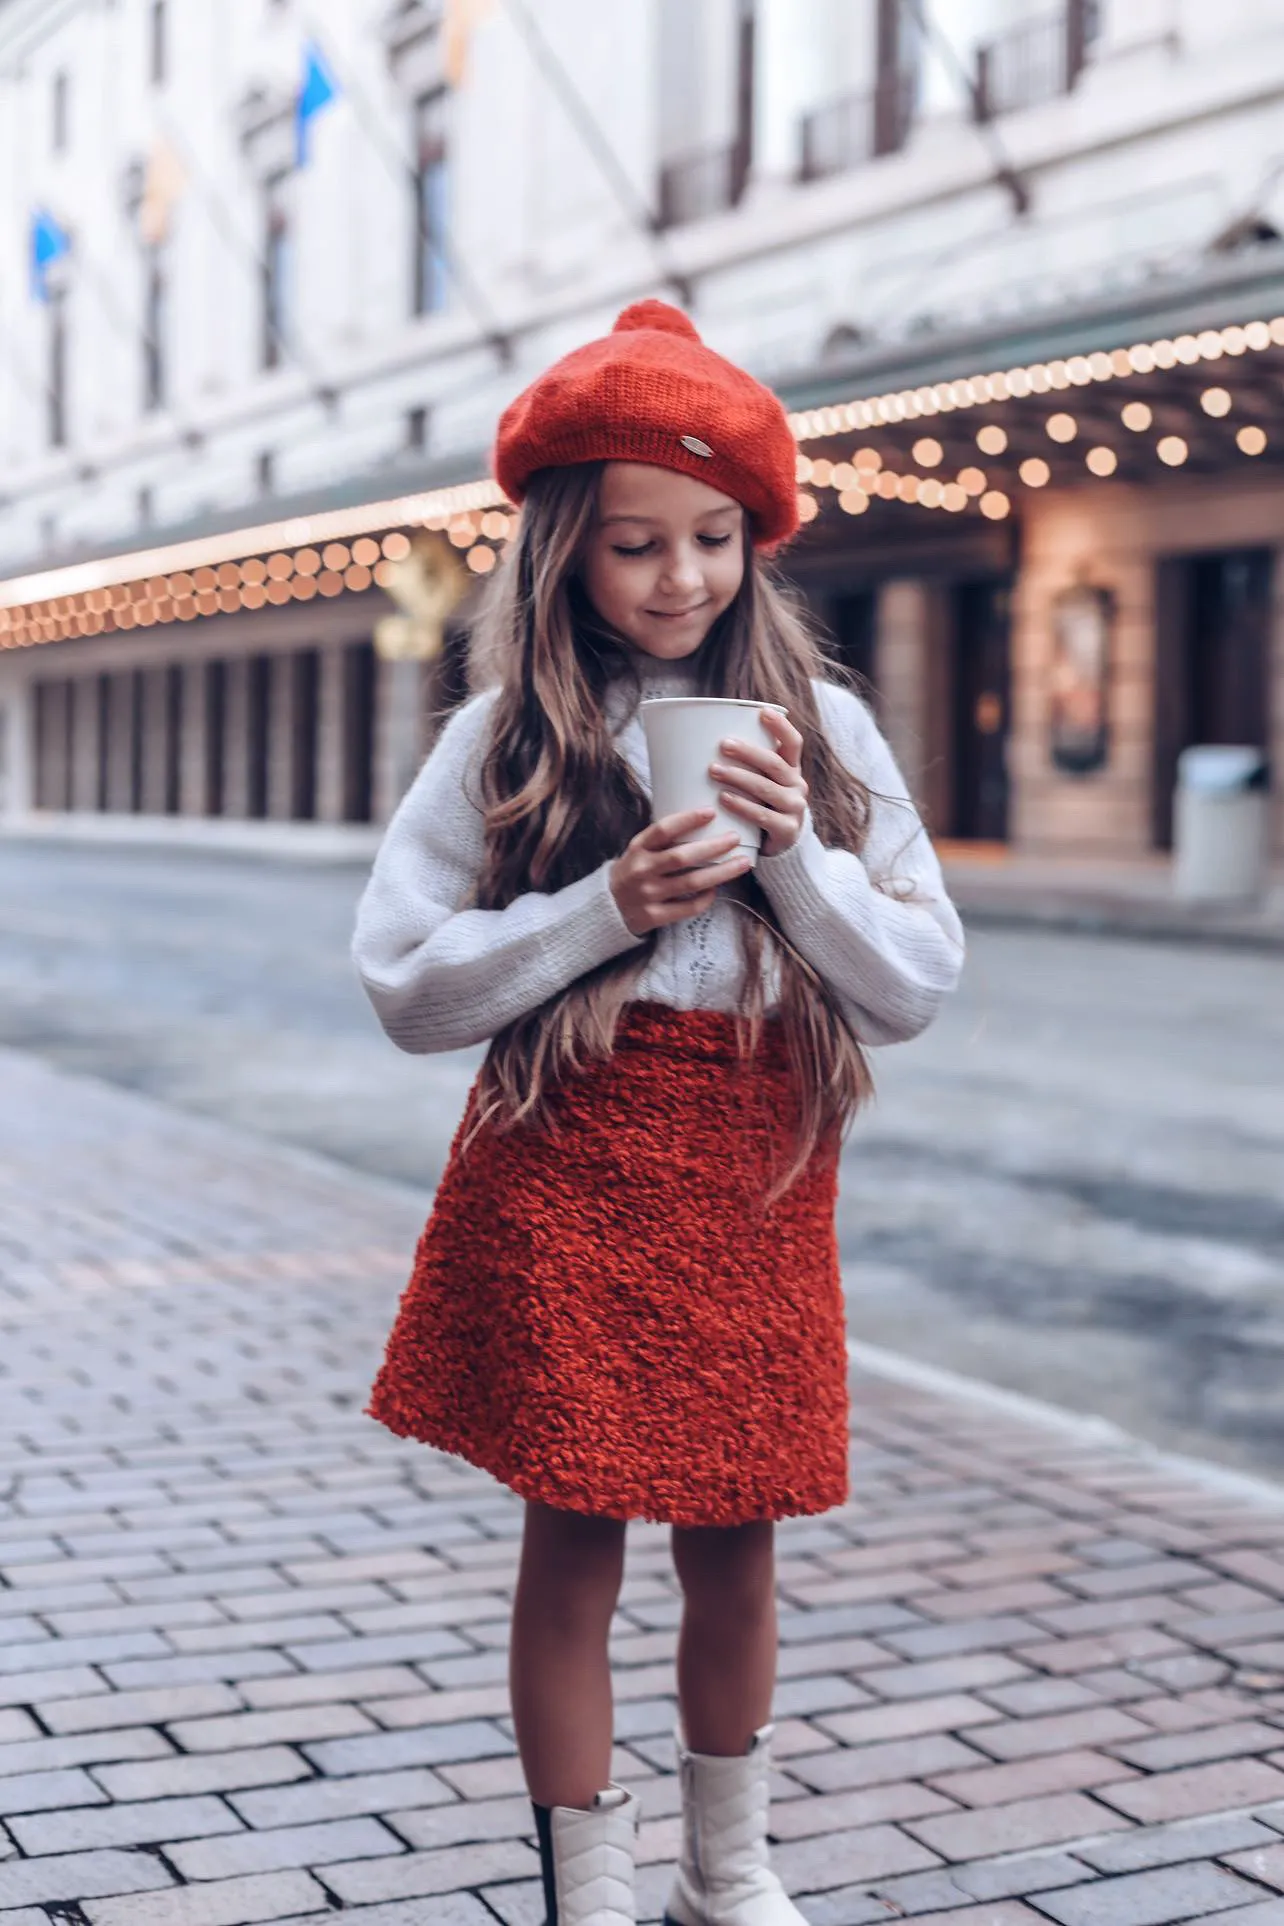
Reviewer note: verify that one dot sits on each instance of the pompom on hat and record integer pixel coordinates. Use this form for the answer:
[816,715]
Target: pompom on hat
[651,391]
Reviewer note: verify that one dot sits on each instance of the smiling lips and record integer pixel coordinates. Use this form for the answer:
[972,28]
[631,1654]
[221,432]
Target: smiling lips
[677,615]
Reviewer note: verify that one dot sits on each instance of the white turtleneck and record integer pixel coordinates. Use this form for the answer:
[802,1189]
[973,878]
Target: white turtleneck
[878,927]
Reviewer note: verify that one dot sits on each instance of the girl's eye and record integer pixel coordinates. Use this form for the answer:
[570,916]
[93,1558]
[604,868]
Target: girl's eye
[715,541]
[631,551]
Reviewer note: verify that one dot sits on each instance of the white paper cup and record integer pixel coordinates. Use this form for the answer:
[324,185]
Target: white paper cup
[683,734]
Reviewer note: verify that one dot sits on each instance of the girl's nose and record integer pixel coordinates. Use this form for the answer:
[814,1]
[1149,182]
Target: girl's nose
[683,570]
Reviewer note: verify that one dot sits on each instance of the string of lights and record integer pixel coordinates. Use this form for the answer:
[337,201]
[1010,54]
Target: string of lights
[351,550]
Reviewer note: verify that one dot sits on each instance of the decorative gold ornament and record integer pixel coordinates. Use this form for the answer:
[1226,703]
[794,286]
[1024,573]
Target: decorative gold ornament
[427,584]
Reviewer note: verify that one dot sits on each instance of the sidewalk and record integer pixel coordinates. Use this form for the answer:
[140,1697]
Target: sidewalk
[252,1648]
[1105,896]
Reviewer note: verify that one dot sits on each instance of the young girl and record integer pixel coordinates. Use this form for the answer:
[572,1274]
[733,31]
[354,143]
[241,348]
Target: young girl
[626,1302]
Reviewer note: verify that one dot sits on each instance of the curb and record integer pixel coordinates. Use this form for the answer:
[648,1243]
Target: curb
[1087,920]
[939,1382]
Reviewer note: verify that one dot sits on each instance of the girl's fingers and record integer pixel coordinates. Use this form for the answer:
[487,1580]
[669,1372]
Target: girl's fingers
[750,783]
[695,882]
[747,755]
[691,855]
[784,733]
[662,833]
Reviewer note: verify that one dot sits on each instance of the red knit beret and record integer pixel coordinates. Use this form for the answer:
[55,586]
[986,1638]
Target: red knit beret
[651,391]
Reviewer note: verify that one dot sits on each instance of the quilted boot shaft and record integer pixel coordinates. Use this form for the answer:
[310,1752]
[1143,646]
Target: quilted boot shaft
[587,1859]
[725,1877]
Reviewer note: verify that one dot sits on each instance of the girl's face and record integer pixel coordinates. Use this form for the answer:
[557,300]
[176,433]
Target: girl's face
[666,556]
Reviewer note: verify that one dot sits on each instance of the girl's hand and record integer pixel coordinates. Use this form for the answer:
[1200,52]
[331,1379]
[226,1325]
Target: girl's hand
[766,786]
[665,877]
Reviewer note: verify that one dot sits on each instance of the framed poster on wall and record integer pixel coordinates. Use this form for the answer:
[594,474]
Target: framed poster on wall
[1079,720]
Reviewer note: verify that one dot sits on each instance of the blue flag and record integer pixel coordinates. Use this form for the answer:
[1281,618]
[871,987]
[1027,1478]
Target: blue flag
[50,243]
[319,87]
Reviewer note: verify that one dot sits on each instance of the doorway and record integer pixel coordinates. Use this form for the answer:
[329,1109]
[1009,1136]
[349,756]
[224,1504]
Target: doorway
[1213,615]
[980,712]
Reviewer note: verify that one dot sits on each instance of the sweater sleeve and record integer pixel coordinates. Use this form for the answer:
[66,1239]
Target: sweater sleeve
[878,927]
[440,973]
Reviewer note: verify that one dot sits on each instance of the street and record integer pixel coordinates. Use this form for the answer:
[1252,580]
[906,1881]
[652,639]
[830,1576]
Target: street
[1072,1186]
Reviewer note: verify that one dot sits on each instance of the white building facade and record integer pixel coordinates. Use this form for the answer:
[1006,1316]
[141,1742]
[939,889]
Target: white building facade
[269,270]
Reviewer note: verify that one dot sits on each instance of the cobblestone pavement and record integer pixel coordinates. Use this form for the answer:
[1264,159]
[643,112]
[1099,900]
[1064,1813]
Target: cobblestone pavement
[1071,1186]
[252,1648]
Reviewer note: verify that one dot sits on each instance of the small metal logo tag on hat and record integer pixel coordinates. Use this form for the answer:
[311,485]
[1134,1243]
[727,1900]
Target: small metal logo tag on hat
[697,447]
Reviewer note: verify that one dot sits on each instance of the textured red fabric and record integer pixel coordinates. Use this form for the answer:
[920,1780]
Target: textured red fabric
[634,394]
[605,1316]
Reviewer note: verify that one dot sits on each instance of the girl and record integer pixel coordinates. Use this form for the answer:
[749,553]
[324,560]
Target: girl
[626,1302]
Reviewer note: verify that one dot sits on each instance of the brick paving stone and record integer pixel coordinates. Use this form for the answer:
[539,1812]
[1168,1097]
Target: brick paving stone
[226,1902]
[1204,1743]
[1198,1789]
[1008,1912]
[1075,1771]
[80,1875]
[1170,1845]
[284,1847]
[153,1823]
[214,1772]
[419,1873]
[1157,1898]
[1025,1738]
[874,1852]
[1265,1863]
[47,1791]
[421,1745]
[1018,1827]
[137,1708]
[318,1800]
[287,1725]
[884,1764]
[935,1678]
[908,1718]
[1269,1913]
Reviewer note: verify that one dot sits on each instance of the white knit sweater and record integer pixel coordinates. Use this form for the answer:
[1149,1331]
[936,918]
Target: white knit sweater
[878,927]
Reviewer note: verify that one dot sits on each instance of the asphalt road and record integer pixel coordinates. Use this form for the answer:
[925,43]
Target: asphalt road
[1073,1186]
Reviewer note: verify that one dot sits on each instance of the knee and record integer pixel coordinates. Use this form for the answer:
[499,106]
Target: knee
[729,1574]
[575,1562]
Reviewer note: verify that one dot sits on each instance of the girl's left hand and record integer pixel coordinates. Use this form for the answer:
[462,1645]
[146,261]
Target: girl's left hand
[766,786]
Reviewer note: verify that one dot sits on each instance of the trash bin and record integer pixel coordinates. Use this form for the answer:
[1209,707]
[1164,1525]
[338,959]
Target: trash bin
[1220,824]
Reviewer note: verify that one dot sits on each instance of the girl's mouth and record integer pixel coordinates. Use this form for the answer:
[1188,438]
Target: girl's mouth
[677,615]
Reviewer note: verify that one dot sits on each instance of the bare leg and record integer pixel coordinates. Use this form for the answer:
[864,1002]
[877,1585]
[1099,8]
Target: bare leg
[559,1667]
[727,1647]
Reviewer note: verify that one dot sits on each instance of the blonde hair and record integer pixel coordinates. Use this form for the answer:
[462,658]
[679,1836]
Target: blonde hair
[558,800]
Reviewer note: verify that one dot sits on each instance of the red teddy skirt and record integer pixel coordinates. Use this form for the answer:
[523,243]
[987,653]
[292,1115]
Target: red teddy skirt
[604,1314]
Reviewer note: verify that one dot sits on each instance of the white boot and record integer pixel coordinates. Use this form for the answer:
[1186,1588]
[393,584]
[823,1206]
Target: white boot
[587,1858]
[724,1878]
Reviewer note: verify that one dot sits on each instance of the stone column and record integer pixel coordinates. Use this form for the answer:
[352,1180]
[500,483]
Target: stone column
[17,762]
[86,749]
[398,732]
[194,741]
[330,743]
[119,746]
[236,739]
[283,728]
[1275,700]
[911,675]
[155,741]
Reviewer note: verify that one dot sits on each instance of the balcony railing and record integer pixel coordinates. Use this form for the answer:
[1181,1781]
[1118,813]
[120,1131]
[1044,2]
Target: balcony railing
[855,128]
[709,181]
[1036,61]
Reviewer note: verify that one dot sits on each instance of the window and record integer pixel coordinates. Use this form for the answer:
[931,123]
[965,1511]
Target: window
[56,368]
[60,119]
[417,429]
[155,307]
[431,196]
[265,472]
[158,49]
[276,269]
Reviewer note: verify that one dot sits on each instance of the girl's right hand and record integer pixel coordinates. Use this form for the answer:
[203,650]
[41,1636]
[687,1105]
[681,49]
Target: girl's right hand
[664,877]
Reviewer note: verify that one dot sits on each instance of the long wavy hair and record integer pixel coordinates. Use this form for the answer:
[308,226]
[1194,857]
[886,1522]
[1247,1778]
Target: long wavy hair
[559,799]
